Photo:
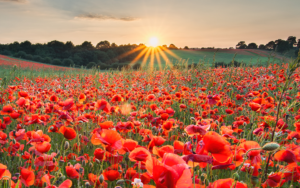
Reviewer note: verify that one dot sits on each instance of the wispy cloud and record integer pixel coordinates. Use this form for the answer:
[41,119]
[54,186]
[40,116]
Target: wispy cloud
[14,1]
[105,17]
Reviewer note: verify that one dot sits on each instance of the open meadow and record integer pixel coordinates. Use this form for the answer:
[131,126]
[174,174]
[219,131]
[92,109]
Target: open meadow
[169,128]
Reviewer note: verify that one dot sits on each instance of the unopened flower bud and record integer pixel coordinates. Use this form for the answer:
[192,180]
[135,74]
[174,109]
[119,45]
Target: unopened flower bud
[120,182]
[236,176]
[271,146]
[67,145]
[101,178]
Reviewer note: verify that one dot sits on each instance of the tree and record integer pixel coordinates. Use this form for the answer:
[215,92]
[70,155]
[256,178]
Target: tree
[282,45]
[241,45]
[26,47]
[68,62]
[270,45]
[20,54]
[103,45]
[91,65]
[262,46]
[69,45]
[113,45]
[47,60]
[292,40]
[186,48]
[298,44]
[56,62]
[87,45]
[172,47]
[252,46]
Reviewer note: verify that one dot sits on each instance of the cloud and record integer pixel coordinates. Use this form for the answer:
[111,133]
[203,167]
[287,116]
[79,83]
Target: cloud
[105,17]
[14,1]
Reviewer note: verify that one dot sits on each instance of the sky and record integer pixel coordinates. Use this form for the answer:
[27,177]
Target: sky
[192,23]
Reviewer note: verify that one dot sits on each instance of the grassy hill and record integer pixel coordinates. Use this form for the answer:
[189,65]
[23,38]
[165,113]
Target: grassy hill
[208,56]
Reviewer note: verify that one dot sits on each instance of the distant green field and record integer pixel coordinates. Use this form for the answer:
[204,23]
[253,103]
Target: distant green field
[208,56]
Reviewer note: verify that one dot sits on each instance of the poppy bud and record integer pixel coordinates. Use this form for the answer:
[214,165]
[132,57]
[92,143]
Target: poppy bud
[67,145]
[217,122]
[101,178]
[91,165]
[87,184]
[203,176]
[271,146]
[83,163]
[81,170]
[80,136]
[254,180]
[14,141]
[120,182]
[53,160]
[68,164]
[236,176]
[45,184]
[97,161]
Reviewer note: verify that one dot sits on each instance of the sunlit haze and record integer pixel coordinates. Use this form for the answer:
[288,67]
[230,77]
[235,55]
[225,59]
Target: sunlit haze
[193,23]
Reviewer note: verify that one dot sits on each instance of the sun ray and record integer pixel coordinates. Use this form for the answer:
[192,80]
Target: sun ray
[157,58]
[138,57]
[131,51]
[164,56]
[170,52]
[152,59]
[145,58]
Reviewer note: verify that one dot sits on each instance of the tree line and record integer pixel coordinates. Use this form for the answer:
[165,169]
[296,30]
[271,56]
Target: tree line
[277,45]
[104,55]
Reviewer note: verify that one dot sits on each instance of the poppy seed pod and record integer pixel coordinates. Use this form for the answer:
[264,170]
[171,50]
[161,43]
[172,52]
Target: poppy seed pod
[271,146]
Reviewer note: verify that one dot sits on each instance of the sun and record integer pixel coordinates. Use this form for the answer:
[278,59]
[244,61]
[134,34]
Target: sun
[153,41]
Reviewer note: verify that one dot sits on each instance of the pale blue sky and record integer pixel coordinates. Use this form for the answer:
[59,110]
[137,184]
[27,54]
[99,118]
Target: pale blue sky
[195,23]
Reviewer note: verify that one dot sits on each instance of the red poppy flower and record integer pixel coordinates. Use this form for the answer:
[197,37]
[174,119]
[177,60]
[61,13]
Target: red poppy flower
[69,133]
[286,156]
[172,172]
[111,175]
[274,180]
[110,138]
[192,130]
[106,125]
[27,177]
[252,154]
[99,154]
[162,150]
[43,147]
[6,110]
[217,146]
[156,141]
[254,106]
[129,145]
[68,104]
[75,171]
[103,105]
[227,183]
[140,154]
[81,98]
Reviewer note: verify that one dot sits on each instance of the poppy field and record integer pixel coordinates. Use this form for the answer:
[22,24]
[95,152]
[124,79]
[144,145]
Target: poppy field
[180,128]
